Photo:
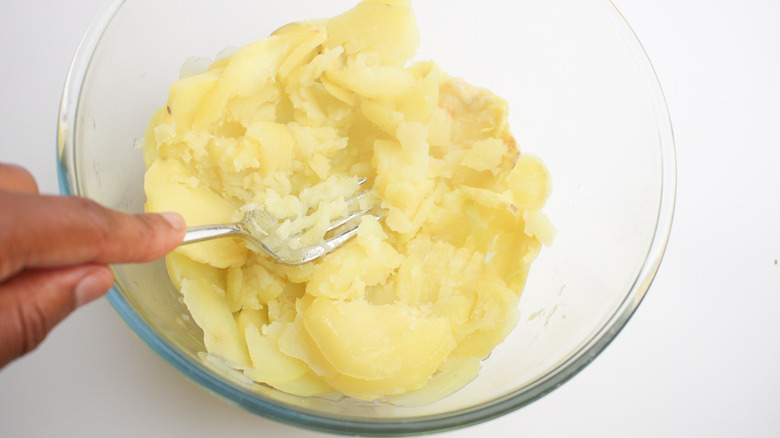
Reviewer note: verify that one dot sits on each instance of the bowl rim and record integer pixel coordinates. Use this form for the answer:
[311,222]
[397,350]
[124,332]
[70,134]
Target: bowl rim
[296,416]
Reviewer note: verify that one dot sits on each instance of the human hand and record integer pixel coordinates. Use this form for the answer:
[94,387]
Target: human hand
[55,252]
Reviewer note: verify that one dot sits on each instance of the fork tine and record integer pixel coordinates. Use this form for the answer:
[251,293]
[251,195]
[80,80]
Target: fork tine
[337,240]
[347,228]
[304,255]
[259,228]
[356,197]
[339,222]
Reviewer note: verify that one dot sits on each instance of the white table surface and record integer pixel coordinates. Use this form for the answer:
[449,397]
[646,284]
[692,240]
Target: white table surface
[699,358]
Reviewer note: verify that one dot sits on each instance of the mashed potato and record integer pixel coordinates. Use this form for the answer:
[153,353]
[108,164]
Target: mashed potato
[406,310]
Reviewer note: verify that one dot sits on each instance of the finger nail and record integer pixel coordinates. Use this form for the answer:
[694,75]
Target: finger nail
[175,219]
[93,285]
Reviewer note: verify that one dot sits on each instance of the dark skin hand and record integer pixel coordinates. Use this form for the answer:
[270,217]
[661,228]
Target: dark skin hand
[55,252]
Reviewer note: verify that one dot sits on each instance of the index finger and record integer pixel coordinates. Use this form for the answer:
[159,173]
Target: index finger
[49,231]
[15,178]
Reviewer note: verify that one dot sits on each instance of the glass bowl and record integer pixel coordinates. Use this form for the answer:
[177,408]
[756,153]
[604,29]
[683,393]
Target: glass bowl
[583,96]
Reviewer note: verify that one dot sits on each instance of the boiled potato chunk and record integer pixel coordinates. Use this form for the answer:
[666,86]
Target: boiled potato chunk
[529,182]
[296,125]
[373,342]
[391,347]
[308,385]
[176,189]
[180,268]
[185,95]
[209,309]
[248,71]
[350,272]
[456,373]
[269,364]
[367,77]
[254,317]
[385,27]
[493,315]
[538,225]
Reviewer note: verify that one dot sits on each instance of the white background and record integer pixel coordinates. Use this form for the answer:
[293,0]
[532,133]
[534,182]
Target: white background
[699,358]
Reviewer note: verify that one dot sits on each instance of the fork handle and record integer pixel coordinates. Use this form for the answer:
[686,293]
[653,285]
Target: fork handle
[208,232]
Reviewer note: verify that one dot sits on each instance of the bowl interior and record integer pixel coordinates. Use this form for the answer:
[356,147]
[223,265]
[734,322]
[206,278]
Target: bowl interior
[582,96]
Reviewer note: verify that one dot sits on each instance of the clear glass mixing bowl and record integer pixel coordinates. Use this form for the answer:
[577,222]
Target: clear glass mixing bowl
[582,95]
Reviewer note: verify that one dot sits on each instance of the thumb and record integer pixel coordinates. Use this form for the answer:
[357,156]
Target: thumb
[34,301]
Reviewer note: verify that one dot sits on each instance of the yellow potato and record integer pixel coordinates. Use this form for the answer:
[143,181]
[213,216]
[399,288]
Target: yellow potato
[171,187]
[364,75]
[375,342]
[308,385]
[349,272]
[208,307]
[456,374]
[181,267]
[386,27]
[529,181]
[269,364]
[185,95]
[247,317]
[403,313]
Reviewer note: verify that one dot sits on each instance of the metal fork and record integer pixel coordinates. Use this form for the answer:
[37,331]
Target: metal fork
[258,227]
